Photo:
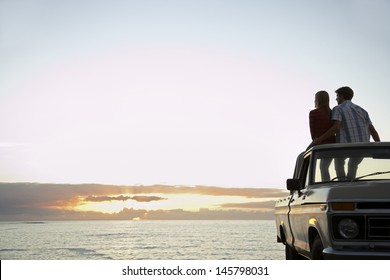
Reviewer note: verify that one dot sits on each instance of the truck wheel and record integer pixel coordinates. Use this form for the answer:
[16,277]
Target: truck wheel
[292,254]
[316,249]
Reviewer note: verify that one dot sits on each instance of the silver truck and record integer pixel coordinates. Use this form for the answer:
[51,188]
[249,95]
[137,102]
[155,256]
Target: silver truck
[339,203]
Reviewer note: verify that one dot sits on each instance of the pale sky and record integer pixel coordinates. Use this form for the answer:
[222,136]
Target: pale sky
[179,92]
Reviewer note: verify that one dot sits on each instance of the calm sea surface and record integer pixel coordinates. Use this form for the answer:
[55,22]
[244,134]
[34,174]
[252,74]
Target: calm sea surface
[137,240]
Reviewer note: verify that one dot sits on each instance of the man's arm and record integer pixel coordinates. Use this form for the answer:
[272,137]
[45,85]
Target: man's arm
[330,132]
[374,133]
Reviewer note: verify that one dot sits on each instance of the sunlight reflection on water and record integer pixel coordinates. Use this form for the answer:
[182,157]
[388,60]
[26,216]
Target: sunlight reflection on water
[153,240]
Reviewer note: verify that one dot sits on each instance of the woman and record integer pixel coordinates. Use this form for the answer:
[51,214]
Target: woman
[320,121]
[320,118]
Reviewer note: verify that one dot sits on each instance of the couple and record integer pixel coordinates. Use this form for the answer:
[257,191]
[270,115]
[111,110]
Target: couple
[346,123]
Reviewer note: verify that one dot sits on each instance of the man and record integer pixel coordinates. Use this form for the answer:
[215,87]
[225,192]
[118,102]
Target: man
[351,124]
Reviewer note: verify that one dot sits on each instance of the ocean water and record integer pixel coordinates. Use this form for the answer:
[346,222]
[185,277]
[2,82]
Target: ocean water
[140,240]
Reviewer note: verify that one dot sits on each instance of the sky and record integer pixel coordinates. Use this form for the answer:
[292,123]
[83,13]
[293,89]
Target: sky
[187,93]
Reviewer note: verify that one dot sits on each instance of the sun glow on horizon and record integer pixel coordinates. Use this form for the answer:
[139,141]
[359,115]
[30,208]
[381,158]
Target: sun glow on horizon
[186,202]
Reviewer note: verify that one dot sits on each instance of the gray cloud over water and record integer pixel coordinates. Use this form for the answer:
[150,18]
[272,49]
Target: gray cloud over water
[33,201]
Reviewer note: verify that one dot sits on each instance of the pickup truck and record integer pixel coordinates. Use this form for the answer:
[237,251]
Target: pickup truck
[339,203]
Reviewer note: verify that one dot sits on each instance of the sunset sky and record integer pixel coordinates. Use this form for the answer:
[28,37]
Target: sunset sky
[29,201]
[177,93]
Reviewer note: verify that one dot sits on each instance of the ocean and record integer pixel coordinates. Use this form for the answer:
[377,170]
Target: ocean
[140,240]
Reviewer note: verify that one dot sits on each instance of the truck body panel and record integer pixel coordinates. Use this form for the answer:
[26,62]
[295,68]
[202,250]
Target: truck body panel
[338,216]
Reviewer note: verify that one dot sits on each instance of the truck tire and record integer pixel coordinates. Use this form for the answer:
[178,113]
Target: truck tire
[316,249]
[292,254]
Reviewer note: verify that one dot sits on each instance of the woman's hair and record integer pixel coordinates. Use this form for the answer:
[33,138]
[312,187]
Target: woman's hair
[322,100]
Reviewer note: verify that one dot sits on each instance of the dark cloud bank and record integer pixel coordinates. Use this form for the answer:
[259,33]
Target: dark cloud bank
[32,201]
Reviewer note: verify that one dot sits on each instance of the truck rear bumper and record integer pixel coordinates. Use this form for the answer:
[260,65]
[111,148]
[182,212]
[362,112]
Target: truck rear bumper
[332,254]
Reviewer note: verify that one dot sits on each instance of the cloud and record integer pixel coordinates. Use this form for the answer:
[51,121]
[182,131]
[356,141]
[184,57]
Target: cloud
[216,191]
[33,201]
[107,198]
[141,198]
[138,198]
[46,195]
[250,205]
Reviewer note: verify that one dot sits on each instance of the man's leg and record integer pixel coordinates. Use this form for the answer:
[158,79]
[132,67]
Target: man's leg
[353,164]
